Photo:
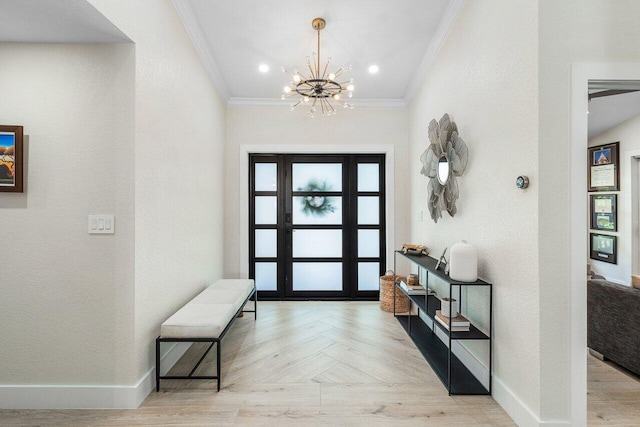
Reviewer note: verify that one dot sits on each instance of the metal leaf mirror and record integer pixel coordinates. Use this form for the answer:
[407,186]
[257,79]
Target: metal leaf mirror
[444,160]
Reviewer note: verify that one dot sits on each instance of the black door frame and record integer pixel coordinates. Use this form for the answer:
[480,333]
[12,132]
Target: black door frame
[349,225]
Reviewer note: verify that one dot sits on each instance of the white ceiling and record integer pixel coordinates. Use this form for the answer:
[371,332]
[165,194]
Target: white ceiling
[59,21]
[609,111]
[235,37]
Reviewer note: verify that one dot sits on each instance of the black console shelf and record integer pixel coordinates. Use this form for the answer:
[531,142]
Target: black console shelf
[452,372]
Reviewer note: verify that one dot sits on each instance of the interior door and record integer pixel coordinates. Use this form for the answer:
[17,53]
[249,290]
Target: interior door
[317,225]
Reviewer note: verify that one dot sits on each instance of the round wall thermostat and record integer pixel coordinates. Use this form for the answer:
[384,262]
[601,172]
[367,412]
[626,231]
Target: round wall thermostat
[522,182]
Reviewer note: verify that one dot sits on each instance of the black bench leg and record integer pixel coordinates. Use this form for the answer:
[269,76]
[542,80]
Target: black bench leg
[157,365]
[218,363]
[255,305]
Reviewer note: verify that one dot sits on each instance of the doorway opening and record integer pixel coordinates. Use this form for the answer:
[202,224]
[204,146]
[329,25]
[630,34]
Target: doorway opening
[582,76]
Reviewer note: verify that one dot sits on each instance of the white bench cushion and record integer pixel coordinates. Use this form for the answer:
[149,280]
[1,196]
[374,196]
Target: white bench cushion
[198,321]
[246,285]
[206,315]
[235,297]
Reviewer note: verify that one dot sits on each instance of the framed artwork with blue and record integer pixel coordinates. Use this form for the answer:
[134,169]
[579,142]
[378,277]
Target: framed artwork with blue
[11,159]
[604,167]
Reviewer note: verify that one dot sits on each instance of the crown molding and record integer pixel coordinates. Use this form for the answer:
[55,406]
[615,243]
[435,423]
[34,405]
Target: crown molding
[446,23]
[278,103]
[195,33]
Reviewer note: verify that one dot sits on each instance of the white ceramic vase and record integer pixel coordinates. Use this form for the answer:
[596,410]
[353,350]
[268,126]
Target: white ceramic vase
[449,307]
[463,262]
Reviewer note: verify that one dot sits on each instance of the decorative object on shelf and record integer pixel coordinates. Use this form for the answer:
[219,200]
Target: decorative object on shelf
[442,260]
[604,212]
[413,280]
[449,307]
[603,248]
[11,159]
[463,262]
[413,289]
[444,160]
[415,249]
[522,182]
[319,88]
[313,205]
[604,167]
[458,323]
[387,291]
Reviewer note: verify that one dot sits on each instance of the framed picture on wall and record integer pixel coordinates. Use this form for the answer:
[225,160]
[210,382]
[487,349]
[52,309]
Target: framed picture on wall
[604,212]
[11,159]
[604,167]
[603,248]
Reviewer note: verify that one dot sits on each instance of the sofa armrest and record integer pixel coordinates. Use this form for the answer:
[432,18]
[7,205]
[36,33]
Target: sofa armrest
[613,322]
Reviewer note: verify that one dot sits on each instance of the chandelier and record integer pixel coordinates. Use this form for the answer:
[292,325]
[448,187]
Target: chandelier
[321,90]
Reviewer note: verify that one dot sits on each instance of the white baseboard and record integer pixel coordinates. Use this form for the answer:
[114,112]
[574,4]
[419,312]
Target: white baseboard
[513,406]
[87,396]
[170,358]
[519,412]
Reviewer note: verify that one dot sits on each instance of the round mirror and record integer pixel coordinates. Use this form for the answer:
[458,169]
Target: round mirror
[443,169]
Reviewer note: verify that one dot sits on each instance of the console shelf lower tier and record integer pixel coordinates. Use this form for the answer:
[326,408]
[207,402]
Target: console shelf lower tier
[436,353]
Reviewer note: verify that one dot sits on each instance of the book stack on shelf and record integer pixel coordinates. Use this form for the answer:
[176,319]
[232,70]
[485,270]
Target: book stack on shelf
[455,324]
[414,289]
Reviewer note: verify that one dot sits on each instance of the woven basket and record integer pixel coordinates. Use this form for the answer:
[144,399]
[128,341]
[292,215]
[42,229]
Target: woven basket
[386,294]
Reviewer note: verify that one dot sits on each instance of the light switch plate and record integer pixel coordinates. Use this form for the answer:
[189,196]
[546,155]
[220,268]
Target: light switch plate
[102,224]
[419,215]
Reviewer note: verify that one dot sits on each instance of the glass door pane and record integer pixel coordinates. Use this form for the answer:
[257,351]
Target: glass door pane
[317,243]
[316,230]
[266,276]
[368,276]
[312,209]
[316,176]
[317,276]
[266,176]
[368,210]
[266,243]
[266,210]
[368,176]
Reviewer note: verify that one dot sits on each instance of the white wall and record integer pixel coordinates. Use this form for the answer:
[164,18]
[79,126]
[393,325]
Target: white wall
[485,77]
[628,134]
[572,34]
[279,127]
[179,163]
[67,297]
[137,131]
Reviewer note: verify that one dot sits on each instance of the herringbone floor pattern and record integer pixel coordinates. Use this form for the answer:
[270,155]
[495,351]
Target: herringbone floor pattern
[322,364]
[326,363]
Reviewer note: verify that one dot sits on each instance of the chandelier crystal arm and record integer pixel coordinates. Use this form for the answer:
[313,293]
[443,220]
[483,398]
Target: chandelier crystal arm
[324,73]
[318,58]
[310,69]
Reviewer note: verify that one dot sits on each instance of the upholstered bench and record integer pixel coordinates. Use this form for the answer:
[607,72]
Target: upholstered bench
[207,318]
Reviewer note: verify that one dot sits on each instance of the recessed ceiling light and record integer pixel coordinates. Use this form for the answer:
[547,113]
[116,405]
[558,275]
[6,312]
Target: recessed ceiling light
[263,68]
[373,69]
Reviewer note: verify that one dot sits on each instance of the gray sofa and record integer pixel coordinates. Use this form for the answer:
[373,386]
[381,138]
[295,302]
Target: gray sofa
[613,322]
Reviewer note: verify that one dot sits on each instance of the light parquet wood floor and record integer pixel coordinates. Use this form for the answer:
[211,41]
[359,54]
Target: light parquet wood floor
[613,395]
[313,364]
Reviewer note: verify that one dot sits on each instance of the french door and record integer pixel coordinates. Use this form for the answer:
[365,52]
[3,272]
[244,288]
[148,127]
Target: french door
[316,225]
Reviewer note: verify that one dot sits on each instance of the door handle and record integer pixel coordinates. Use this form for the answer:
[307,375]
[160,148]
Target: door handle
[287,218]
